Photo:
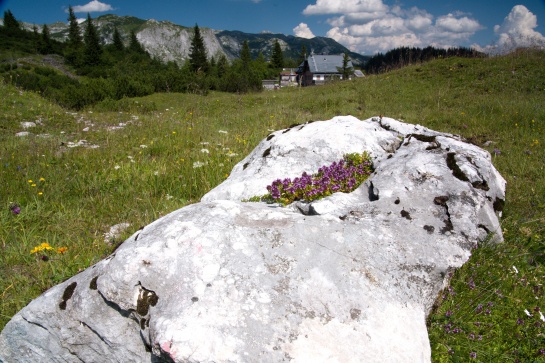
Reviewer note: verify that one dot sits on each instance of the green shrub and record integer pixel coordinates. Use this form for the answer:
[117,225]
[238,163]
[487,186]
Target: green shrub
[8,66]
[125,105]
[45,71]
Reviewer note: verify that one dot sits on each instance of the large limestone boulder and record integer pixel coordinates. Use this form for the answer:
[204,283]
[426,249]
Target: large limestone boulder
[349,278]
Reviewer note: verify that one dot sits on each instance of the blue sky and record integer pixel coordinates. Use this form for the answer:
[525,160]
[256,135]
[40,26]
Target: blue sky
[364,26]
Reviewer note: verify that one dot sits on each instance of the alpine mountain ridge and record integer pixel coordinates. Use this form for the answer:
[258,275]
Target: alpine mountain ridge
[167,41]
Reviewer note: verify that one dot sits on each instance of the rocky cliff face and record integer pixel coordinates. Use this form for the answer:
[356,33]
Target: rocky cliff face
[170,42]
[347,278]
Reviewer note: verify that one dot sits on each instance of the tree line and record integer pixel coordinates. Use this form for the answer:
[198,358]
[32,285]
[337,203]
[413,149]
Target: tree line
[99,72]
[404,56]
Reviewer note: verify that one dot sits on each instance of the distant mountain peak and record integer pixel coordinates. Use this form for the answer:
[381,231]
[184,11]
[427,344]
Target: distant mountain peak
[171,42]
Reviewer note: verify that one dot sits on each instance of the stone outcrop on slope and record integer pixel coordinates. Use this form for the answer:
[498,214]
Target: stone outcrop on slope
[348,278]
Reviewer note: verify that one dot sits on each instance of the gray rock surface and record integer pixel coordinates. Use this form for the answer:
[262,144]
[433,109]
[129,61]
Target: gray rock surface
[349,278]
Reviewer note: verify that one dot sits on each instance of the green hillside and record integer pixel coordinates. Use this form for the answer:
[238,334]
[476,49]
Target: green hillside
[142,158]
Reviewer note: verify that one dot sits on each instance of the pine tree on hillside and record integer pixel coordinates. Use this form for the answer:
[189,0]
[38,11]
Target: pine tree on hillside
[345,70]
[36,40]
[222,65]
[197,53]
[74,35]
[302,55]
[93,49]
[74,44]
[9,21]
[134,44]
[45,46]
[117,41]
[245,55]
[260,66]
[277,58]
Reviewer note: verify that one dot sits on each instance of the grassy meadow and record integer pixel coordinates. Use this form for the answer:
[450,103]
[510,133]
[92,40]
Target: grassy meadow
[143,158]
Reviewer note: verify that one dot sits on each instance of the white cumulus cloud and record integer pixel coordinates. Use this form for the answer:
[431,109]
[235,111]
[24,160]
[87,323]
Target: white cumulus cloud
[94,6]
[302,30]
[371,26]
[344,7]
[451,23]
[517,30]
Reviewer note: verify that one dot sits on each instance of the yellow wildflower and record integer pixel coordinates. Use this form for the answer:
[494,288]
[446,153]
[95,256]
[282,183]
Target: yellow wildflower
[46,246]
[62,249]
[41,247]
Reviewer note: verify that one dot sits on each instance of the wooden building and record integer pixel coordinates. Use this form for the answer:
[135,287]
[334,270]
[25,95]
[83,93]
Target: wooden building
[319,68]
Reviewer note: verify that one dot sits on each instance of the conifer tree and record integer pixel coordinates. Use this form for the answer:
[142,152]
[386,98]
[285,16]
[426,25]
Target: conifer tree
[9,21]
[345,70]
[242,75]
[245,55]
[197,53]
[117,41]
[213,63]
[93,49]
[74,35]
[74,44]
[45,46]
[36,40]
[222,65]
[302,55]
[134,44]
[260,66]
[277,58]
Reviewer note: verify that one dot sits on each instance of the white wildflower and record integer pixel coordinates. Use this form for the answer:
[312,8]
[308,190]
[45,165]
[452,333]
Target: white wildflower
[205,151]
[169,197]
[156,173]
[117,167]
[198,164]
[516,271]
[222,132]
[143,146]
[204,143]
[231,154]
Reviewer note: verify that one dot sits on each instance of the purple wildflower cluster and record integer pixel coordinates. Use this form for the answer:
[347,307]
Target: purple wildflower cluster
[15,209]
[342,176]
